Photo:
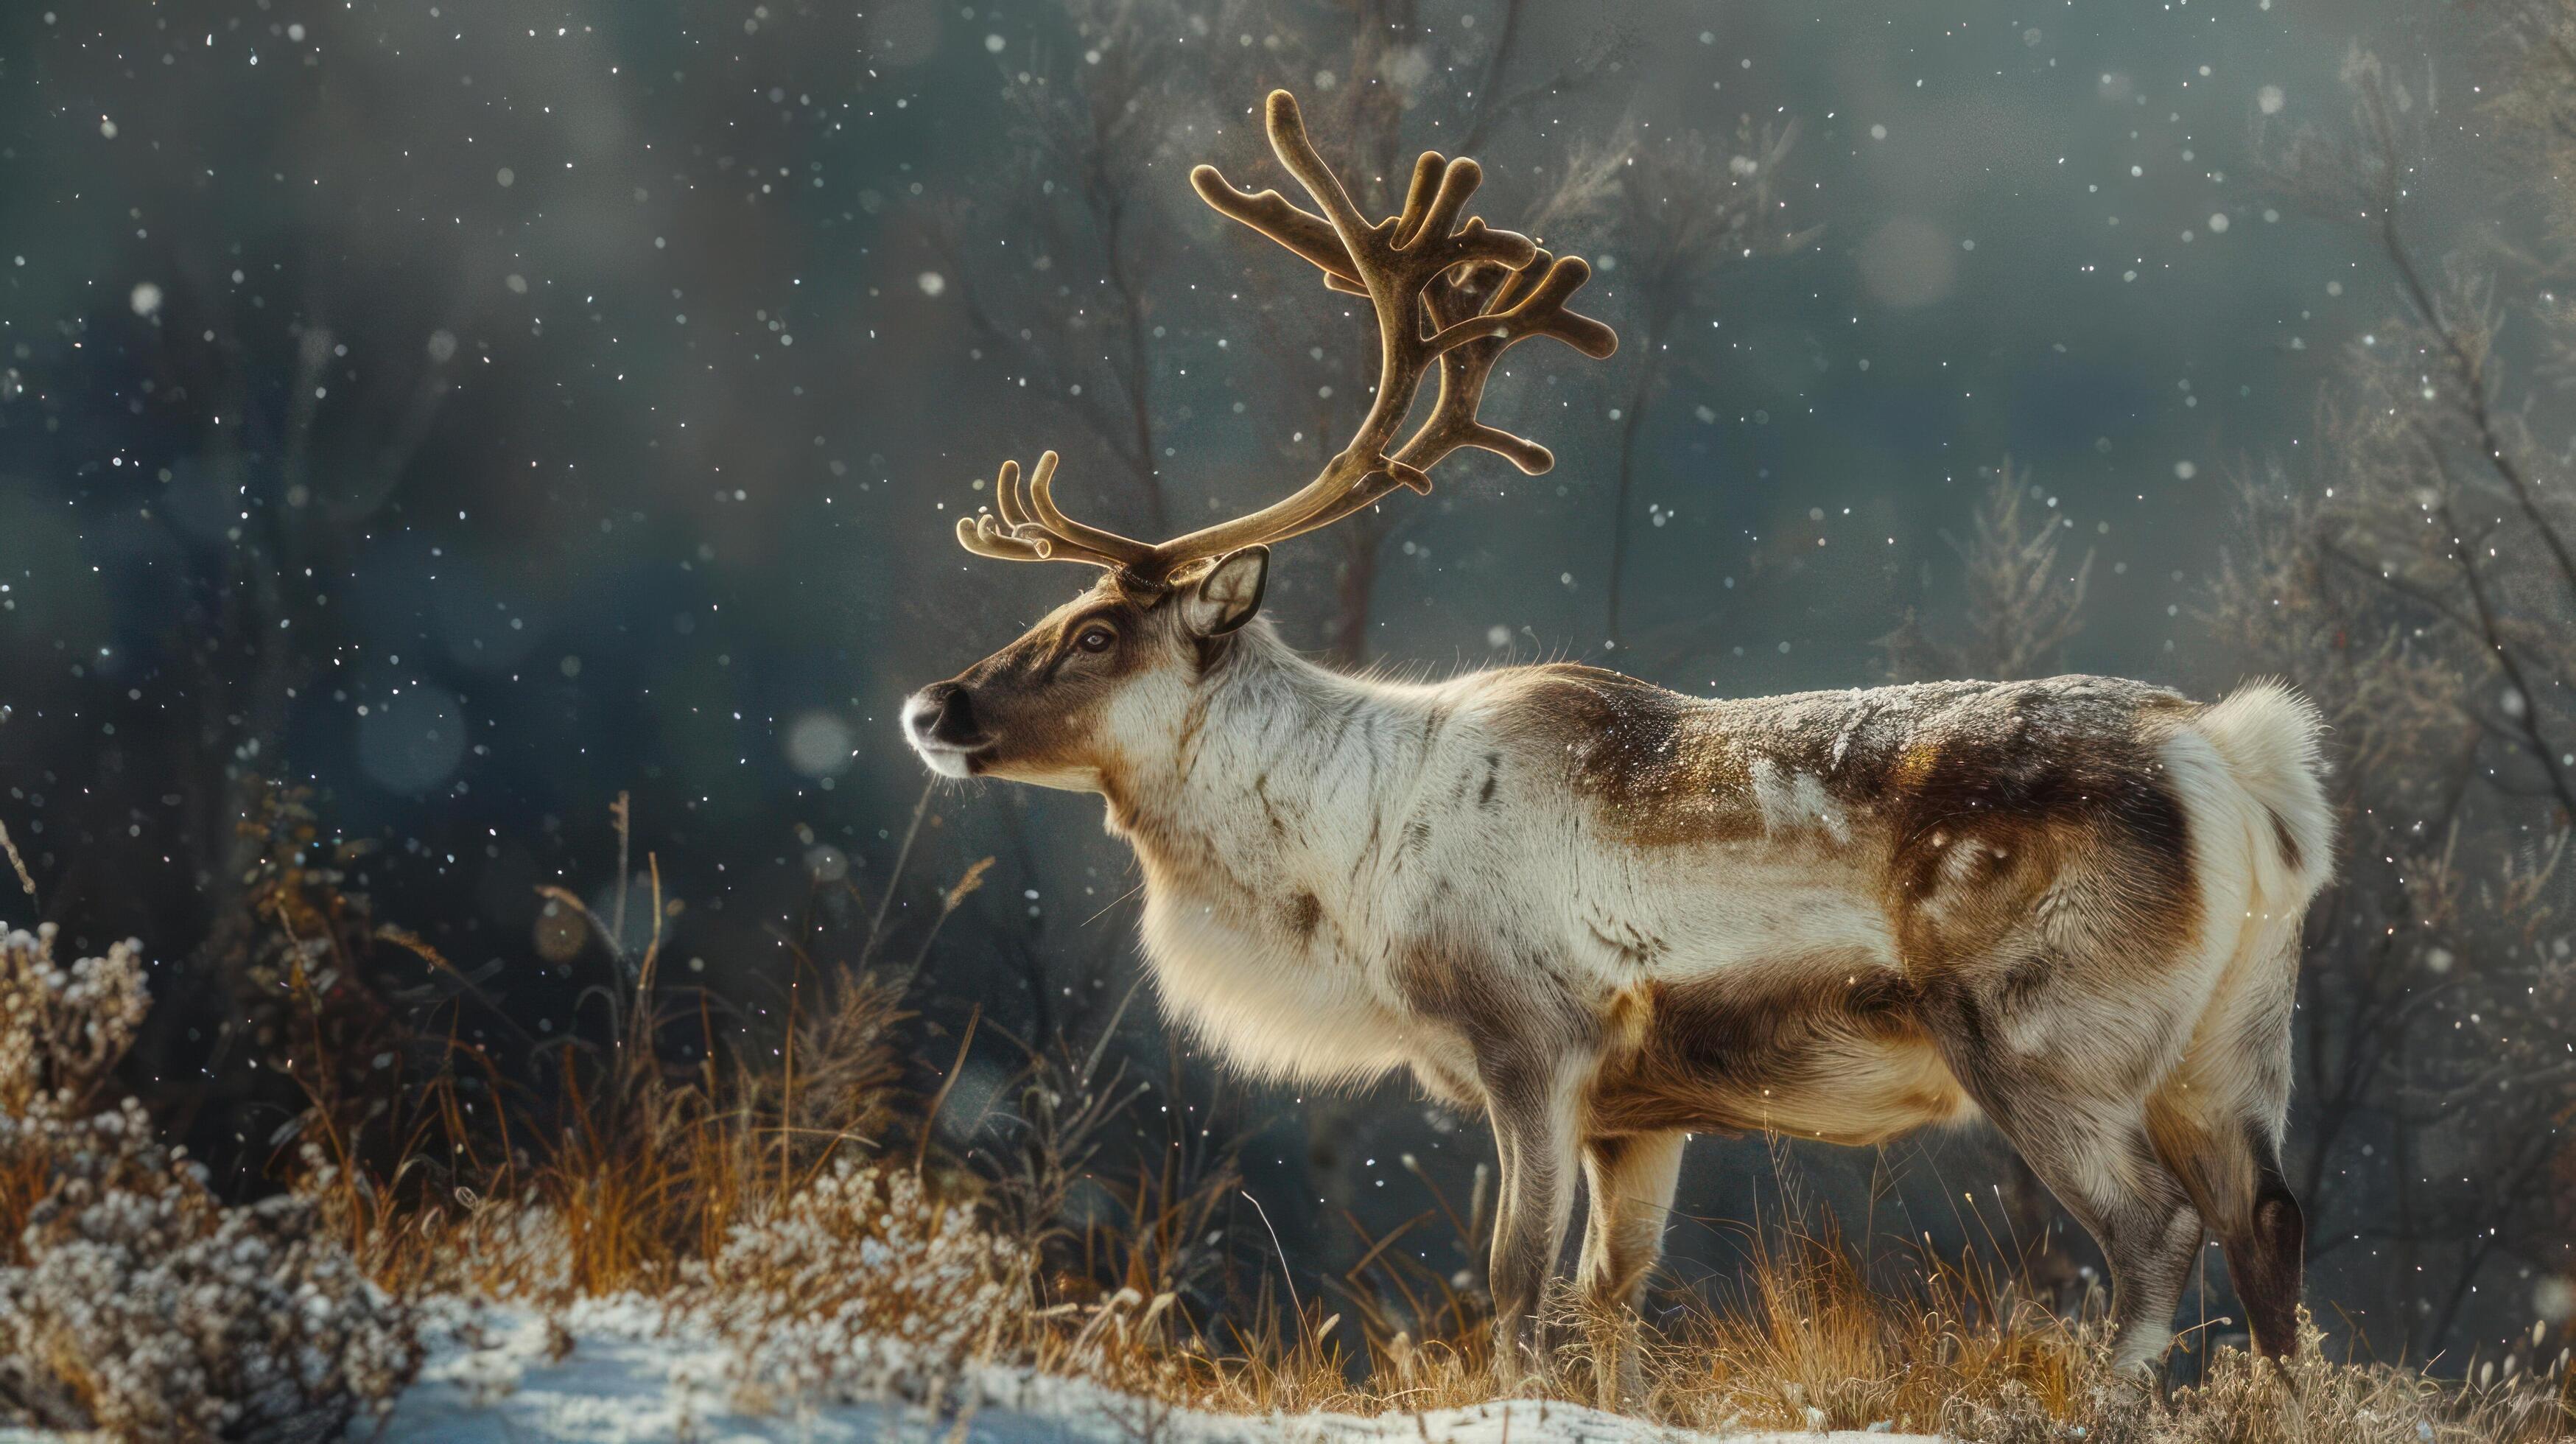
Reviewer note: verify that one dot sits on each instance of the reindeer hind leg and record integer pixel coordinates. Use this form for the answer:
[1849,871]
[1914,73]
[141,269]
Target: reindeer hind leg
[2266,1257]
[2218,1123]
[2101,1167]
[2064,1096]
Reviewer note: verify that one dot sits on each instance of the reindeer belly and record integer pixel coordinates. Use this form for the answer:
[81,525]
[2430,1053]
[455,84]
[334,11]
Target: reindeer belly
[1269,998]
[1820,1045]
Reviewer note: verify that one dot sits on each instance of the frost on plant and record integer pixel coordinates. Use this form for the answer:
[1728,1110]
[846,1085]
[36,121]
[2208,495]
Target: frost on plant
[857,1285]
[63,1026]
[130,1299]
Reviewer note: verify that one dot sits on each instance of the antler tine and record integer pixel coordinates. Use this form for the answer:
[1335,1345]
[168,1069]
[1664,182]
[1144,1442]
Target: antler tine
[1006,496]
[1286,126]
[1428,170]
[1122,551]
[1525,308]
[1529,302]
[1524,303]
[1438,222]
[978,534]
[1030,529]
[1274,215]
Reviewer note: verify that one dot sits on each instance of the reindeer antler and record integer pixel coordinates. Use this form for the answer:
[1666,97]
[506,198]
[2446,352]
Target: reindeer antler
[1447,292]
[1032,530]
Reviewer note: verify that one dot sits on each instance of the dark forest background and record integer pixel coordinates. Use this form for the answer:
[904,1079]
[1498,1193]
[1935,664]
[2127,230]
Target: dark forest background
[426,428]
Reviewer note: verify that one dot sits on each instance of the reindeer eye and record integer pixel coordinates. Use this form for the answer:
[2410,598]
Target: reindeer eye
[1096,639]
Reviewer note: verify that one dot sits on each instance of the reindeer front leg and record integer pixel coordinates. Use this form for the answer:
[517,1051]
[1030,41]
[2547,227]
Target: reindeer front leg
[1534,1103]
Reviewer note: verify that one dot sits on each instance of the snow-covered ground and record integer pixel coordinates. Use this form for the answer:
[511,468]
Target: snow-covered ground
[607,1372]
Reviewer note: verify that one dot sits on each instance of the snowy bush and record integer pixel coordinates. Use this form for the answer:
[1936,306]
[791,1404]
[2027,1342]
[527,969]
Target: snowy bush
[856,1286]
[62,1028]
[508,1250]
[131,1300]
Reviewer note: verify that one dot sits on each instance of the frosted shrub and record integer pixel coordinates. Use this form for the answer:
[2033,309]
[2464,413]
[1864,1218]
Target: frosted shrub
[131,1300]
[151,1311]
[62,1028]
[508,1250]
[856,1286]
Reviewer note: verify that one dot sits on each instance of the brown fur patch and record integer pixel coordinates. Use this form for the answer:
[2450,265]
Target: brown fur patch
[1193,720]
[1516,1017]
[2035,790]
[1741,1051]
[1655,778]
[1899,762]
[2217,1168]
[1269,809]
[2291,857]
[1305,914]
[1976,803]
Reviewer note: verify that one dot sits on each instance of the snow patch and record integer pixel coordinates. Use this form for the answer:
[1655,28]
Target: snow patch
[625,1370]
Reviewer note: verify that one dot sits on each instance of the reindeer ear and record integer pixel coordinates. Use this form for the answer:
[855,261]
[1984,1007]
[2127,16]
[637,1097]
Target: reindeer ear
[1229,595]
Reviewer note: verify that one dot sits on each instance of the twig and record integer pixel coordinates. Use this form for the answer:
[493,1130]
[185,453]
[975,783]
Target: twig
[1284,1276]
[2492,634]
[949,902]
[902,856]
[623,815]
[420,947]
[921,1151]
[652,948]
[1109,1030]
[1380,1246]
[26,879]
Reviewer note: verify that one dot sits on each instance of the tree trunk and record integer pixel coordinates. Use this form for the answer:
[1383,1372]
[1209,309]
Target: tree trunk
[1649,370]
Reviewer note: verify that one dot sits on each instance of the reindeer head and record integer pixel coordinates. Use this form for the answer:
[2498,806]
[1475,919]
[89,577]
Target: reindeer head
[1102,673]
[1114,670]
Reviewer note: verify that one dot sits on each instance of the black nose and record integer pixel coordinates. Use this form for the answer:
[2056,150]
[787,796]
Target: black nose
[946,714]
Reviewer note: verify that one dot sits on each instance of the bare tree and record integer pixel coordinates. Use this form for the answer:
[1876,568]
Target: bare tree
[1670,215]
[1058,278]
[2418,583]
[2022,604]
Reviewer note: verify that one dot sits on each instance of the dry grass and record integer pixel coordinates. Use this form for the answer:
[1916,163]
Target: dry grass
[802,1211]
[1806,1342]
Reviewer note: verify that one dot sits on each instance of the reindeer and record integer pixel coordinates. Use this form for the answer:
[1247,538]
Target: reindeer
[1610,916]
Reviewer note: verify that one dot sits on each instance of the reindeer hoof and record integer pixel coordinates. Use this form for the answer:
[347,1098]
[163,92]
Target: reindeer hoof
[2134,1386]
